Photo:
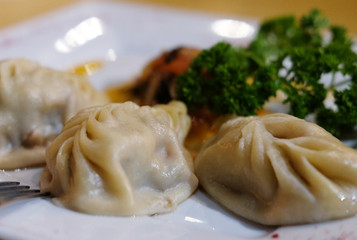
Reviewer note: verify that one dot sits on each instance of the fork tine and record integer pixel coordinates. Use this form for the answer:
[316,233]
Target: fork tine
[19,193]
[9,183]
[10,190]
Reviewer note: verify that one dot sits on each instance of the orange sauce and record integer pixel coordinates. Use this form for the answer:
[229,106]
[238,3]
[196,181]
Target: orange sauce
[87,69]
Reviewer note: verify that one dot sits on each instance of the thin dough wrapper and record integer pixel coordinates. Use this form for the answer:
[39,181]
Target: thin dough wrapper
[34,104]
[121,159]
[279,170]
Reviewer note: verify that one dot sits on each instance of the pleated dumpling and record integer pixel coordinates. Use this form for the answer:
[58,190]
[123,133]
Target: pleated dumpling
[279,170]
[35,101]
[121,159]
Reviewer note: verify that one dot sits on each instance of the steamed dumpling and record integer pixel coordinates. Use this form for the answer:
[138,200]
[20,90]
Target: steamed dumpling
[121,159]
[278,169]
[34,104]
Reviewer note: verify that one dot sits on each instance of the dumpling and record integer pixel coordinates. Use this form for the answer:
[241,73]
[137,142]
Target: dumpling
[279,170]
[121,159]
[34,104]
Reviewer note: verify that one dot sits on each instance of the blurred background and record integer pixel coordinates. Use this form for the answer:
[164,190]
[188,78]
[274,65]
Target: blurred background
[341,12]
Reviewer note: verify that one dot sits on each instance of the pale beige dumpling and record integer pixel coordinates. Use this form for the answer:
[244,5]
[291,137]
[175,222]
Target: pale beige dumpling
[279,170]
[121,159]
[34,104]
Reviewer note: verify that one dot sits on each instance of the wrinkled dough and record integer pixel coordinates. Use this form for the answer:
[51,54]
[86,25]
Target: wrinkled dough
[121,159]
[279,170]
[34,104]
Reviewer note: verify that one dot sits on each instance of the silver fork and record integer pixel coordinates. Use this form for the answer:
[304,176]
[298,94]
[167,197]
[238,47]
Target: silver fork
[11,190]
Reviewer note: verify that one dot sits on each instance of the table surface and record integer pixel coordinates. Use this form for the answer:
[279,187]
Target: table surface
[340,12]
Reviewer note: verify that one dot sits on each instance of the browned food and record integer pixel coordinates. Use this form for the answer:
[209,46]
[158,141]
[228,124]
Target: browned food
[157,82]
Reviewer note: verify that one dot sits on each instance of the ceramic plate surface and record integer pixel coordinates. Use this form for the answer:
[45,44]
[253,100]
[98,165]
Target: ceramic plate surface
[124,37]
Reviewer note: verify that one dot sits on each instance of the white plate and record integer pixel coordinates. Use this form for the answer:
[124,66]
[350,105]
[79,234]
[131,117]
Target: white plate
[125,36]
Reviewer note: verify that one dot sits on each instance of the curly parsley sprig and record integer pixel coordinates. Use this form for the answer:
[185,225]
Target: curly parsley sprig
[292,56]
[219,78]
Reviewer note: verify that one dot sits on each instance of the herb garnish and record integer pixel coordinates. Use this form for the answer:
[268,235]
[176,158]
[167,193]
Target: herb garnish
[306,59]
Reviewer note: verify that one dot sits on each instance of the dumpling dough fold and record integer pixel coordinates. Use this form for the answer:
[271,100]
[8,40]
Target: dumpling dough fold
[121,159]
[279,170]
[35,102]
